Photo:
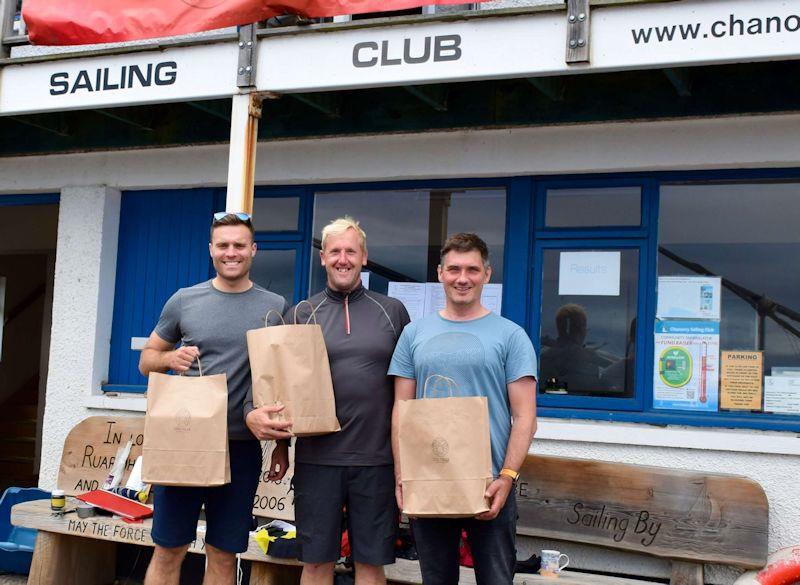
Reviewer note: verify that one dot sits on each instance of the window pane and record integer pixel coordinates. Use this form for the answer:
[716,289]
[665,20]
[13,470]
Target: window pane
[406,229]
[616,206]
[747,234]
[274,271]
[276,214]
[588,342]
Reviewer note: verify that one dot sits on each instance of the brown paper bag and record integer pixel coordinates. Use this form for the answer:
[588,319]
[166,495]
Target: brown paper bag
[289,364]
[186,431]
[445,456]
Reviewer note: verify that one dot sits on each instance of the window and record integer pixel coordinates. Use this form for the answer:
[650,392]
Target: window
[744,237]
[405,232]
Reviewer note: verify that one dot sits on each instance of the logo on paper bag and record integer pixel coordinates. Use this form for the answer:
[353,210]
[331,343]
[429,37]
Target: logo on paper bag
[441,448]
[183,420]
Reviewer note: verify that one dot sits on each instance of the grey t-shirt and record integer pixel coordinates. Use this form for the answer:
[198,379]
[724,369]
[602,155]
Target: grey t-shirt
[217,322]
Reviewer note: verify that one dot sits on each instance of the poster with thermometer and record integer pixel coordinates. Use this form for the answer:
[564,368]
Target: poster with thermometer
[686,369]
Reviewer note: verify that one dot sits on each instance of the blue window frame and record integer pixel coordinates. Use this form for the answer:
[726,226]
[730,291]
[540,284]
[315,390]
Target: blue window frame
[144,279]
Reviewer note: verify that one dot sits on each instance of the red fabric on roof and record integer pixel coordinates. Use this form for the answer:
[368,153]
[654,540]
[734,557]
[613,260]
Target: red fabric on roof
[83,22]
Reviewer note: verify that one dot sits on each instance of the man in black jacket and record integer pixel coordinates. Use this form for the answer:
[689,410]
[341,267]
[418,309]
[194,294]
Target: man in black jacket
[353,468]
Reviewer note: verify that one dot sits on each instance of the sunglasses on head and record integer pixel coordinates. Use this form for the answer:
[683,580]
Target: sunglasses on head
[220,215]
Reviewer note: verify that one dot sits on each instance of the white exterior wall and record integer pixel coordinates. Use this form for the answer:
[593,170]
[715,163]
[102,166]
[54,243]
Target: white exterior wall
[87,250]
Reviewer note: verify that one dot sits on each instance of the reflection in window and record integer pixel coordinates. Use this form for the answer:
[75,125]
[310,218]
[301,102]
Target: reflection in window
[597,207]
[588,342]
[274,270]
[276,214]
[406,229]
[747,234]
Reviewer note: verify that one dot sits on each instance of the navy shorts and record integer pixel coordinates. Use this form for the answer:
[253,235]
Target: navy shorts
[229,508]
[321,492]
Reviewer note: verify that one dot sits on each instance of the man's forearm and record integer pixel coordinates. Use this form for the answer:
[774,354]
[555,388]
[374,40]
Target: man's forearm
[519,442]
[154,360]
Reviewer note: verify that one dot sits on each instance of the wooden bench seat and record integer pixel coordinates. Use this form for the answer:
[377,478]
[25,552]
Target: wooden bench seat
[688,518]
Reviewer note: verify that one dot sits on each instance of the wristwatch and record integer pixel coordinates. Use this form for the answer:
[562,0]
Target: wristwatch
[514,475]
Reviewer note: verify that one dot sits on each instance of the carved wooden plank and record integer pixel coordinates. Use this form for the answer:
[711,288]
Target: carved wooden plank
[90,447]
[662,512]
[684,573]
[60,559]
[274,499]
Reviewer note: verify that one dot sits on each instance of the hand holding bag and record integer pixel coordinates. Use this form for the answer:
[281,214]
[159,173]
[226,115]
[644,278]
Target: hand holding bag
[289,364]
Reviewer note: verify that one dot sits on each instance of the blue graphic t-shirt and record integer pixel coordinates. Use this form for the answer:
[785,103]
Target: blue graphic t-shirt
[482,356]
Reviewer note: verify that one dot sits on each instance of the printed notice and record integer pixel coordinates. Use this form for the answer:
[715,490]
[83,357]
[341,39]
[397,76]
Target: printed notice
[686,371]
[412,295]
[589,273]
[365,278]
[688,297]
[740,380]
[425,298]
[782,394]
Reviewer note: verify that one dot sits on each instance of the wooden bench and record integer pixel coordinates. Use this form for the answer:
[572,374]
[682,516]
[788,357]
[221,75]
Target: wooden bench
[689,518]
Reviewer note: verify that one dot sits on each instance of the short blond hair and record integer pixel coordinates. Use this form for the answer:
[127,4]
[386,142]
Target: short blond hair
[339,226]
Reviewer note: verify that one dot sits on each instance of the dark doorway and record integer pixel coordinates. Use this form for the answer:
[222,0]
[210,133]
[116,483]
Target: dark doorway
[27,262]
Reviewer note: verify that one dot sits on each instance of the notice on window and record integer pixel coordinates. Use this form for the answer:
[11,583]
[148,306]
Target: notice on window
[740,380]
[365,278]
[782,394]
[412,295]
[686,372]
[425,298]
[589,273]
[688,297]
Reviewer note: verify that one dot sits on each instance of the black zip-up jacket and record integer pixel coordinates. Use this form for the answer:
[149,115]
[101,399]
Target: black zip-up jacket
[361,330]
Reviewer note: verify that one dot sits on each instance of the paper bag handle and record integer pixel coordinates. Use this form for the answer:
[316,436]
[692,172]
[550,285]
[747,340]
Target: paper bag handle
[199,367]
[436,378]
[266,317]
[312,316]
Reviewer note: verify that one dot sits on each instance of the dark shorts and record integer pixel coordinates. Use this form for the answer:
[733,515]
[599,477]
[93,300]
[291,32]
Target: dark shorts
[321,494]
[229,508]
[492,543]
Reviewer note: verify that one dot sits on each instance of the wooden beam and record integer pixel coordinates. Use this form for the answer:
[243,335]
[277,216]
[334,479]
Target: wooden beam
[60,559]
[113,115]
[433,95]
[552,87]
[680,80]
[686,573]
[329,104]
[207,109]
[27,121]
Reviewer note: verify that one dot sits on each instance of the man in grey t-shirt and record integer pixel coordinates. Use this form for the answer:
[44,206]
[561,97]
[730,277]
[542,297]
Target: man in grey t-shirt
[209,322]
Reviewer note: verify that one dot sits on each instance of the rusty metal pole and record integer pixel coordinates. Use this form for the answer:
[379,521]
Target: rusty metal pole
[245,114]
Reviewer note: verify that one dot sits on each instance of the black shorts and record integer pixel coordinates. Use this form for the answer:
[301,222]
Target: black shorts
[321,494]
[229,508]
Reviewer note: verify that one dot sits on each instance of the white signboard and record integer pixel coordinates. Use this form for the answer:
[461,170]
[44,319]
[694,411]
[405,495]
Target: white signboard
[782,394]
[178,74]
[423,299]
[622,37]
[686,369]
[688,297]
[589,273]
[484,46]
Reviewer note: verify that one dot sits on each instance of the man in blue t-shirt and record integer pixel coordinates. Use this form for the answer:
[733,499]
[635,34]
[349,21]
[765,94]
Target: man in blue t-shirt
[486,355]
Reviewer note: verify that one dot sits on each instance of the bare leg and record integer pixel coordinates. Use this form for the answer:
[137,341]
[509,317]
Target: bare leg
[165,566]
[220,567]
[317,574]
[369,575]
